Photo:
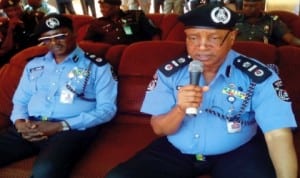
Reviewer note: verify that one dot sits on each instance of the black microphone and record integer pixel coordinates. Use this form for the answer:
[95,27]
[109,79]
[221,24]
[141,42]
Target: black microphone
[195,70]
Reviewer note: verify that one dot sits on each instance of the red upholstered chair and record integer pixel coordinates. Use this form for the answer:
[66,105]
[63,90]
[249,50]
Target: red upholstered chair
[137,67]
[265,53]
[99,49]
[113,55]
[170,26]
[80,20]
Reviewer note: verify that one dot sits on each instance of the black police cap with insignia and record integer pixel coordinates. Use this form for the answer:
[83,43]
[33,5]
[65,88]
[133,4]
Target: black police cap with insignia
[211,15]
[53,21]
[111,2]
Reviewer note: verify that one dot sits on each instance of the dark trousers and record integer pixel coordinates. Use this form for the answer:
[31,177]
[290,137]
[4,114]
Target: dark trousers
[62,6]
[157,5]
[56,156]
[162,160]
[86,4]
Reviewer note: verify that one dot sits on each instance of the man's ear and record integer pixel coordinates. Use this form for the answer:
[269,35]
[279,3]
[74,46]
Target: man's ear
[233,34]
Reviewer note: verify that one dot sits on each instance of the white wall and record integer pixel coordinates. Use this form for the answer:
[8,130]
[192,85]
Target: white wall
[288,5]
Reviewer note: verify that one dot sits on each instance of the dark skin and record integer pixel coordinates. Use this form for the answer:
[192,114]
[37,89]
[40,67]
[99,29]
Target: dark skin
[111,11]
[40,130]
[253,11]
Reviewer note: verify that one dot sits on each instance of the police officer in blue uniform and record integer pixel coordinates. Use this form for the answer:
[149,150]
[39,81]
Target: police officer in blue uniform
[62,98]
[235,97]
[256,25]
[120,27]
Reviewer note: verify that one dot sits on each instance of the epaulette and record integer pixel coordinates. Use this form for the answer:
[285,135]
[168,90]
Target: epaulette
[97,60]
[256,71]
[173,66]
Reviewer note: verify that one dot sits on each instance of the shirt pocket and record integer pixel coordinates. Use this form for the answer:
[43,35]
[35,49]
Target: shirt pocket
[35,81]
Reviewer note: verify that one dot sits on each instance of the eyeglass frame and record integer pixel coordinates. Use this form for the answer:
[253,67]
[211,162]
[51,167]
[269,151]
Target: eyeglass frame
[214,43]
[56,37]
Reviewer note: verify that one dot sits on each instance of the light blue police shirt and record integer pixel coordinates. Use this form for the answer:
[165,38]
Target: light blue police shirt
[43,83]
[207,133]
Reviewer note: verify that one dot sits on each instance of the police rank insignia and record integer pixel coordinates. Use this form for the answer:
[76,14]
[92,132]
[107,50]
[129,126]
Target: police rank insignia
[256,71]
[174,65]
[153,83]
[280,91]
[97,60]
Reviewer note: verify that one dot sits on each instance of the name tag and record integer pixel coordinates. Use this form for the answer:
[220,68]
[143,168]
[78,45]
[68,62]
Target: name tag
[233,126]
[66,96]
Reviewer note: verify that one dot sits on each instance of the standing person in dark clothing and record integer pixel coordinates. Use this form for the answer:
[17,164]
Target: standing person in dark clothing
[120,27]
[62,5]
[88,4]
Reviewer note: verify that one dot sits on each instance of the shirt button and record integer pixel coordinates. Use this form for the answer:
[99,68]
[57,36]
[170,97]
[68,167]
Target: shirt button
[196,135]
[200,111]
[53,84]
[48,98]
[118,37]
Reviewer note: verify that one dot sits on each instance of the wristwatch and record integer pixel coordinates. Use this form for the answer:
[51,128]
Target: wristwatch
[65,126]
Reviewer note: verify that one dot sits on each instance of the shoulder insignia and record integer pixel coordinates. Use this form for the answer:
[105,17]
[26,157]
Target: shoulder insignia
[274,17]
[97,60]
[256,71]
[174,65]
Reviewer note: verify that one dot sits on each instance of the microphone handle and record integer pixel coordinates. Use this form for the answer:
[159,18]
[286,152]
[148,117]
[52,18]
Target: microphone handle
[194,80]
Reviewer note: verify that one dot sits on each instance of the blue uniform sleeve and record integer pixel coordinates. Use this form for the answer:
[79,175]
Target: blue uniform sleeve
[272,105]
[160,96]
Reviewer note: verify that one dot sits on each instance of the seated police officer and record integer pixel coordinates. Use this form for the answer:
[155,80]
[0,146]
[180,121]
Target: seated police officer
[61,99]
[256,25]
[120,27]
[211,126]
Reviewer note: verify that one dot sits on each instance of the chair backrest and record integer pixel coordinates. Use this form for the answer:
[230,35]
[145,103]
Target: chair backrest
[137,67]
[171,28]
[265,53]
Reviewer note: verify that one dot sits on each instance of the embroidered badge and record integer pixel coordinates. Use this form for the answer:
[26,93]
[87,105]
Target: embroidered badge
[220,15]
[153,83]
[52,23]
[280,91]
[36,69]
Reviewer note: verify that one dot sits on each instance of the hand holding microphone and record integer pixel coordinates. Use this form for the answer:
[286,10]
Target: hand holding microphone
[190,96]
[195,70]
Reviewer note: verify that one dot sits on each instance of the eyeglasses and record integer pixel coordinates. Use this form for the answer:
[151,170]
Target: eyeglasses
[56,37]
[212,40]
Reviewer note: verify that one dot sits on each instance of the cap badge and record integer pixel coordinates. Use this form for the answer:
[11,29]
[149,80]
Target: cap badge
[52,23]
[220,15]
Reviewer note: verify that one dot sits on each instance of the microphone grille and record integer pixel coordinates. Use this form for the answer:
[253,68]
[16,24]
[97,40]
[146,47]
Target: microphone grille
[195,66]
